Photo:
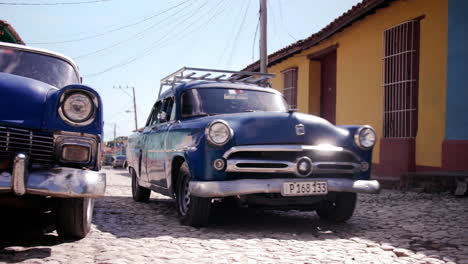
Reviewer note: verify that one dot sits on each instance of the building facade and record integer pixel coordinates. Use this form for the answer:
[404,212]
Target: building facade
[397,65]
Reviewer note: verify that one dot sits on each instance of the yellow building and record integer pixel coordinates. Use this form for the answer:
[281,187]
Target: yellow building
[387,63]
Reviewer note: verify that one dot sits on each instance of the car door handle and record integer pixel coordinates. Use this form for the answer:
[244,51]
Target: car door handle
[154,128]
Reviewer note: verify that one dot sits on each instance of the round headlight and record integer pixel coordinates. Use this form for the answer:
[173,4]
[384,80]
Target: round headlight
[218,132]
[77,108]
[365,137]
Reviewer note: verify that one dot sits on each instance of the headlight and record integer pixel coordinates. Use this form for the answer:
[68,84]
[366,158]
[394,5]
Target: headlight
[77,108]
[365,137]
[218,132]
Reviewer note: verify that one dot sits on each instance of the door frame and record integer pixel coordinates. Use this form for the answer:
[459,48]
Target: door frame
[320,56]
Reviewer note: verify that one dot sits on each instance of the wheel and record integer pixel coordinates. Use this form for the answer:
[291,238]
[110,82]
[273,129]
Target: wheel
[339,210]
[139,194]
[74,217]
[193,211]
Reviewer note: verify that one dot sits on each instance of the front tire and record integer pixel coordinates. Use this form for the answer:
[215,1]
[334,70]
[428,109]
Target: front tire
[74,217]
[193,211]
[340,210]
[139,194]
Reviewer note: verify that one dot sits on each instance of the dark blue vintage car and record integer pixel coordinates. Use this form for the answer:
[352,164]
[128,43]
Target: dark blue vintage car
[50,137]
[221,135]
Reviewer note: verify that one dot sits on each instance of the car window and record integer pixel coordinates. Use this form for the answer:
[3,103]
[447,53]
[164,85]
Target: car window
[213,101]
[41,67]
[153,118]
[168,107]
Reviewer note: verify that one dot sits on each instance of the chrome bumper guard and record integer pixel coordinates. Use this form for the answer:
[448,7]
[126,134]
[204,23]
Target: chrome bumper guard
[56,182]
[216,189]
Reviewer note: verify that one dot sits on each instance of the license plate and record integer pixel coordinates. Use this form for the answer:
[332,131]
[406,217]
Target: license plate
[304,188]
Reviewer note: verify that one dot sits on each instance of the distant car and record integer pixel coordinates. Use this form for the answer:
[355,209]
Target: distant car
[119,161]
[107,159]
[228,136]
[51,132]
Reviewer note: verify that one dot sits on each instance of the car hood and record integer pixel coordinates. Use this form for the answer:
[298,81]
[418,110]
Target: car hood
[280,128]
[22,101]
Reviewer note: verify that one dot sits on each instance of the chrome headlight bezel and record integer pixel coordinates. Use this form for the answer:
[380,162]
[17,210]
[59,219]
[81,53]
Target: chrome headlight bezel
[358,138]
[78,123]
[229,132]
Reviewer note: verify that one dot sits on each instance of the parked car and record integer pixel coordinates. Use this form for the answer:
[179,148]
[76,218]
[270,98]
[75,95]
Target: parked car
[119,161]
[232,137]
[50,137]
[107,159]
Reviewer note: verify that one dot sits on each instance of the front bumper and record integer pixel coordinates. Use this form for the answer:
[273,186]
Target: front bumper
[216,189]
[56,182]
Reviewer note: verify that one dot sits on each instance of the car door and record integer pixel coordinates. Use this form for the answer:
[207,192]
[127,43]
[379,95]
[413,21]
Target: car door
[147,144]
[157,137]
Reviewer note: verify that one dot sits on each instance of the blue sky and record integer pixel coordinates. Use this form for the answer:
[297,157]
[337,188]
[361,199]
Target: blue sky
[136,43]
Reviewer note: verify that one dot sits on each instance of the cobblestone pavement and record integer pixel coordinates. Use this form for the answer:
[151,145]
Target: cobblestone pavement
[393,227]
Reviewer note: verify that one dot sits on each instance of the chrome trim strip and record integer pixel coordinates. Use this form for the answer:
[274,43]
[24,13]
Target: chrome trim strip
[286,148]
[291,167]
[60,182]
[214,189]
[19,174]
[232,166]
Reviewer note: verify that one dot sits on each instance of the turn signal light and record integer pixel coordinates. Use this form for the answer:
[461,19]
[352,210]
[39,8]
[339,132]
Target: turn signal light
[74,153]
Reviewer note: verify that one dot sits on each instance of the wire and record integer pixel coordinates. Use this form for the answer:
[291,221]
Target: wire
[150,48]
[113,30]
[241,26]
[56,3]
[275,31]
[282,21]
[255,37]
[200,26]
[137,35]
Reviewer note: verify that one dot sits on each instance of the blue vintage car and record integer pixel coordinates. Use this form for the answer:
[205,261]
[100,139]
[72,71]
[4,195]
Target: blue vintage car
[221,135]
[50,137]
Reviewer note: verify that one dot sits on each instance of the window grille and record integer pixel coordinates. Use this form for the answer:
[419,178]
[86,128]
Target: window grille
[290,86]
[400,80]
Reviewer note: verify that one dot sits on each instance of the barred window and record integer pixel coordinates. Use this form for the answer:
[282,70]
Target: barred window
[401,74]
[290,86]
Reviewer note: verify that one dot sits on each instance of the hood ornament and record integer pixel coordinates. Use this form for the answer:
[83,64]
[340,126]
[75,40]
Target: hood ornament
[300,130]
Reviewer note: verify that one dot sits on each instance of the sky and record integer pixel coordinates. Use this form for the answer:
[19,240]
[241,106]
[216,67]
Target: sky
[136,43]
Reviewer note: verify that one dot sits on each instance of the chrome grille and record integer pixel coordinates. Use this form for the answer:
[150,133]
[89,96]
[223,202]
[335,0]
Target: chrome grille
[38,145]
[283,159]
[293,155]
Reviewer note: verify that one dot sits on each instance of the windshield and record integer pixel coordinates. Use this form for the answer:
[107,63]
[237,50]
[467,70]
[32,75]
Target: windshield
[212,101]
[48,69]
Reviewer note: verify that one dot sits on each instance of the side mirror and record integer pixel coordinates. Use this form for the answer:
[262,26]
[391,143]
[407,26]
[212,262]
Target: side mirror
[162,117]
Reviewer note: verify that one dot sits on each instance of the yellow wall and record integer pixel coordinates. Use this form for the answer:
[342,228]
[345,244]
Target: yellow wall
[359,73]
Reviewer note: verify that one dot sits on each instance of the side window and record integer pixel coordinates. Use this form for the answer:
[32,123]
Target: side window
[153,119]
[168,108]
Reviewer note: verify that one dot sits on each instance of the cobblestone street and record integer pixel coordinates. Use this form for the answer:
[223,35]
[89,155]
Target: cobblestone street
[393,227]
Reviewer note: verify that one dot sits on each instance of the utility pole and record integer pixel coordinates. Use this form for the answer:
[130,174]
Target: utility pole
[115,137]
[134,109]
[134,101]
[263,37]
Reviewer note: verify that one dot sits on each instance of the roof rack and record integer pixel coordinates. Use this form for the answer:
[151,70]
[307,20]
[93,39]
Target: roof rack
[188,74]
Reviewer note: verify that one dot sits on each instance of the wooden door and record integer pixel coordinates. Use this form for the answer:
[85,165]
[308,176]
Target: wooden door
[328,87]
